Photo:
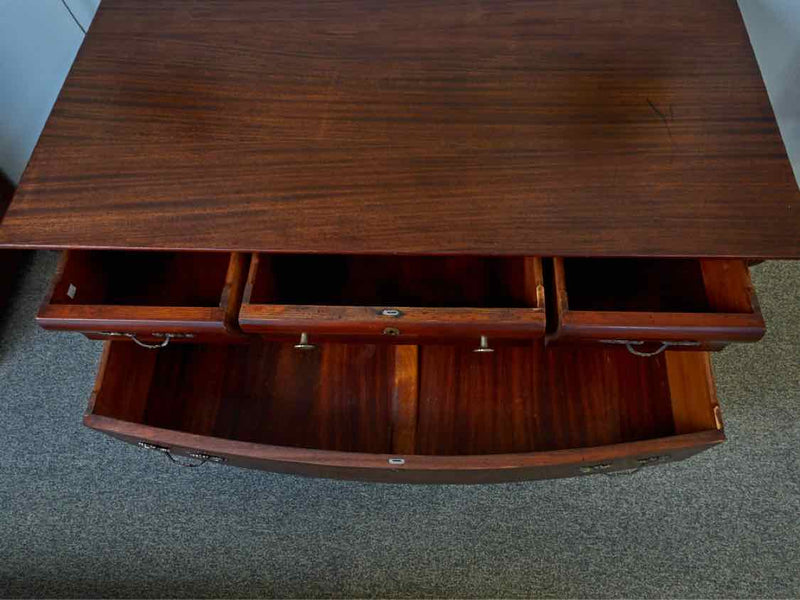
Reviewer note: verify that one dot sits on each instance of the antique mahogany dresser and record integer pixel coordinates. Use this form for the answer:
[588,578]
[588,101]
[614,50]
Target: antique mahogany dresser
[425,241]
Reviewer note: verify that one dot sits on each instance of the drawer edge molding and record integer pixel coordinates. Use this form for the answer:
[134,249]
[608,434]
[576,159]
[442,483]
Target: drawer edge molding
[524,322]
[99,318]
[663,327]
[407,468]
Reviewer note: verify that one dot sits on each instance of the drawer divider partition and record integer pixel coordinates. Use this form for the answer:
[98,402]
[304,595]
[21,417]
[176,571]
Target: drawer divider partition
[405,399]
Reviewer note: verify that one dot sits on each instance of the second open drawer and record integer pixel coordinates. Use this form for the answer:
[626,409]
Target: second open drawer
[406,413]
[397,299]
[652,304]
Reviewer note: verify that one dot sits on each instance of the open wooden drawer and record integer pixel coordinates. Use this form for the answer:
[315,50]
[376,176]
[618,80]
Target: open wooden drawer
[391,298]
[405,413]
[150,297]
[652,304]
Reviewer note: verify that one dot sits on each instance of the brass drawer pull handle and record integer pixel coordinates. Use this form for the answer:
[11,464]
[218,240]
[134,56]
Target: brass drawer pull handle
[132,336]
[624,472]
[640,462]
[303,343]
[138,342]
[635,352]
[484,346]
[664,345]
[203,458]
[595,468]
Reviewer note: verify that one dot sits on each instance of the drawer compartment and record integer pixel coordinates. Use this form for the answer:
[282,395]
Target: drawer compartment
[678,303]
[405,413]
[390,298]
[146,295]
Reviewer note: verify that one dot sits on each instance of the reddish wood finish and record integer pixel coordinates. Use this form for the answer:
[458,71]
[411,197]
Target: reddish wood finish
[319,295]
[405,400]
[147,293]
[449,415]
[555,127]
[693,406]
[728,286]
[233,290]
[493,468]
[708,301]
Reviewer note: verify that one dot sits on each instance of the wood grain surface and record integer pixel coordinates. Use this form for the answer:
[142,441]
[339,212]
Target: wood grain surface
[351,397]
[555,127]
[352,407]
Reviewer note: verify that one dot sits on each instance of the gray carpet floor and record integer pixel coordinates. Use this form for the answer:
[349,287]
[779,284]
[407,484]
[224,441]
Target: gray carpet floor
[83,515]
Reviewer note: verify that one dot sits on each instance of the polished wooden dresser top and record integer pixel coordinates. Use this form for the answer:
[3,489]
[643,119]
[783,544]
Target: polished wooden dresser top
[555,127]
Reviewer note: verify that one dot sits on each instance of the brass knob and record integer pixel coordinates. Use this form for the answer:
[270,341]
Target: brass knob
[484,347]
[303,343]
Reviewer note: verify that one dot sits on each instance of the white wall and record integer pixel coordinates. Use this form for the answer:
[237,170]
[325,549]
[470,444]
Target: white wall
[39,40]
[774,28]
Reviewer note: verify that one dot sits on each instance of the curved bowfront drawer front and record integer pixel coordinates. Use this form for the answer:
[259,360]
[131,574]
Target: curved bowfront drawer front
[394,299]
[152,297]
[654,304]
[403,413]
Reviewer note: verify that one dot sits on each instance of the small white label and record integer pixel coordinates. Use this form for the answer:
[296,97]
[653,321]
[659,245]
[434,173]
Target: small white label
[71,291]
[397,461]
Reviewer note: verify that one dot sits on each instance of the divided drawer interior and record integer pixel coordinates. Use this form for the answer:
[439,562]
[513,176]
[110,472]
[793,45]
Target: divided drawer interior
[403,299]
[408,400]
[418,296]
[703,301]
[145,292]
[418,410]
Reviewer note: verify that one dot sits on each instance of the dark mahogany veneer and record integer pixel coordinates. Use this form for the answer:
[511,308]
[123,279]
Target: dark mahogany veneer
[510,127]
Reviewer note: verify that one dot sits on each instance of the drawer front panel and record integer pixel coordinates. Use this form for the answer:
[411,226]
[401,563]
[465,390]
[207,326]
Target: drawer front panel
[124,319]
[421,323]
[675,327]
[186,450]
